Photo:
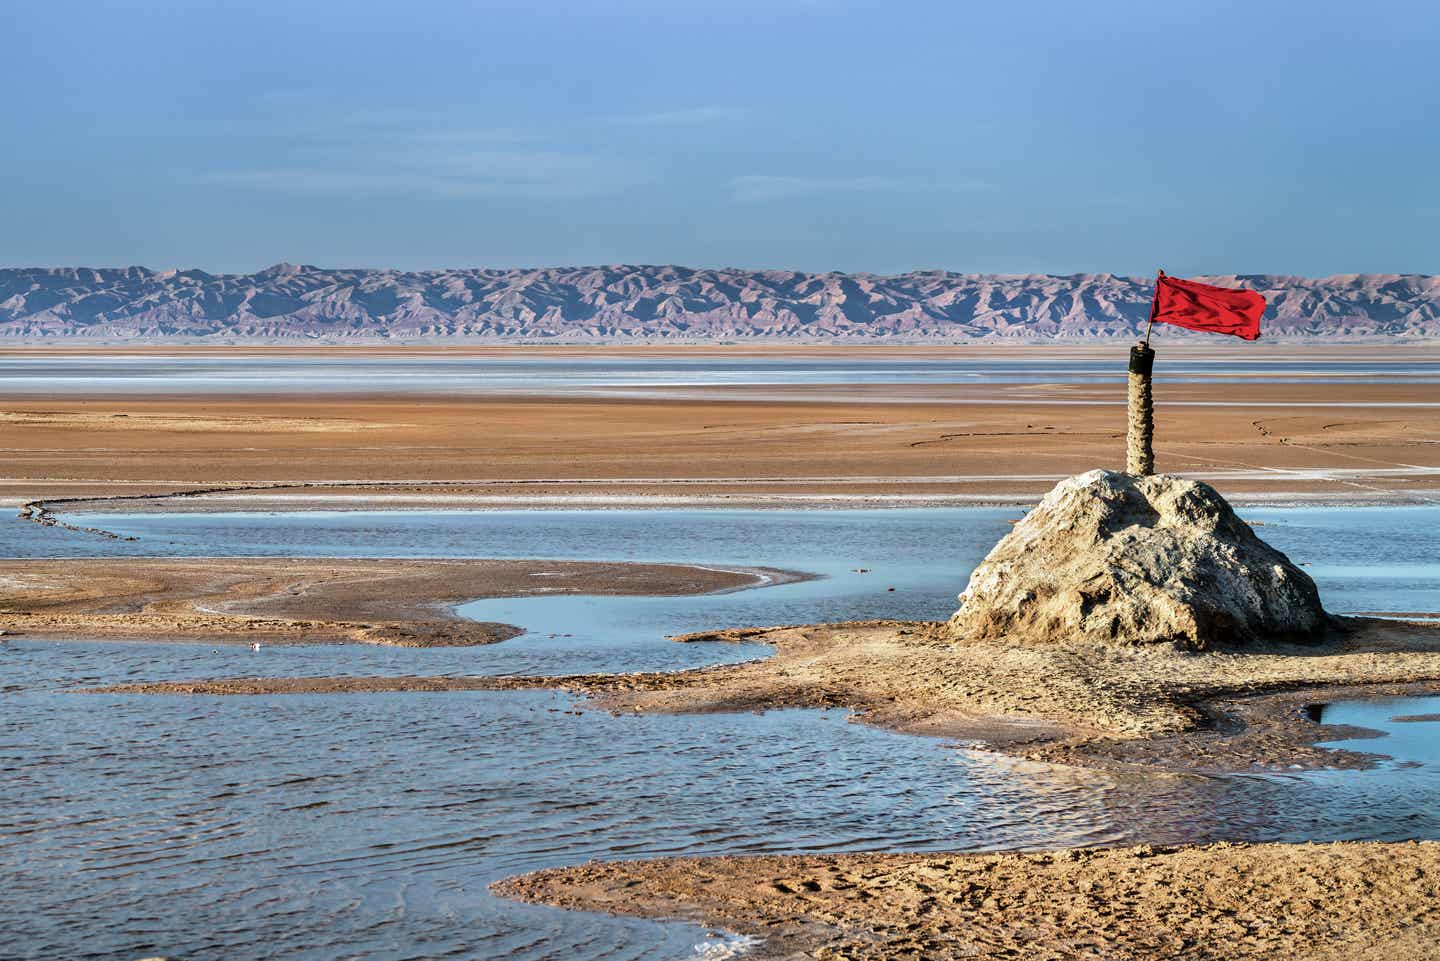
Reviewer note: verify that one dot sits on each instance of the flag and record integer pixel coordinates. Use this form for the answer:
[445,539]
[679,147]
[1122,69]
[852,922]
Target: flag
[1219,310]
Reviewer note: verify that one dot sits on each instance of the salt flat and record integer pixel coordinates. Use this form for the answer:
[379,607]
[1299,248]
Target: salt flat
[917,425]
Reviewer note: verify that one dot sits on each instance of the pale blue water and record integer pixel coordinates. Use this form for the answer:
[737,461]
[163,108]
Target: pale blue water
[1363,558]
[368,826]
[924,555]
[1408,743]
[565,374]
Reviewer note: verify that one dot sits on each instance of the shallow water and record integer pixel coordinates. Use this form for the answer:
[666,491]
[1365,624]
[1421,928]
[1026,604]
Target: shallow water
[1410,743]
[368,826]
[1363,558]
[923,554]
[548,375]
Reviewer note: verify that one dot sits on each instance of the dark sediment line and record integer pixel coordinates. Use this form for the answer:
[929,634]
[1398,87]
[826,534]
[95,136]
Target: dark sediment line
[42,511]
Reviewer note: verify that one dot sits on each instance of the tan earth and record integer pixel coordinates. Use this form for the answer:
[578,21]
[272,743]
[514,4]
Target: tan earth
[1342,902]
[406,603]
[732,445]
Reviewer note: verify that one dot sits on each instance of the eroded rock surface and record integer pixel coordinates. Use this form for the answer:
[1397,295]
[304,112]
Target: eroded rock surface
[1115,559]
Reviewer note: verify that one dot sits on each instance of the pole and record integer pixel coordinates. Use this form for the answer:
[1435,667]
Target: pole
[1139,454]
[1154,306]
[1140,426]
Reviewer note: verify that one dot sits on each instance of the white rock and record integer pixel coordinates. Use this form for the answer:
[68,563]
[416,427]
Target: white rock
[1115,559]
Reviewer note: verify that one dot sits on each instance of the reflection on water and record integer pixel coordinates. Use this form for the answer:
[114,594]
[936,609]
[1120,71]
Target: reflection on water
[368,826]
[1408,728]
[924,555]
[1363,558]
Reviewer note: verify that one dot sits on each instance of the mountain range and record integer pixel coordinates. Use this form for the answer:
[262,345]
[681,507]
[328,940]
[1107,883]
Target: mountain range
[293,304]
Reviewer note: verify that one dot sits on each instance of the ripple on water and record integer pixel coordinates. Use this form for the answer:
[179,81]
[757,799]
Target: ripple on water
[373,824]
[369,826]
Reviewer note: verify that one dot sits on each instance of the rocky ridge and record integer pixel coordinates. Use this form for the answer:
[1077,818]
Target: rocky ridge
[296,304]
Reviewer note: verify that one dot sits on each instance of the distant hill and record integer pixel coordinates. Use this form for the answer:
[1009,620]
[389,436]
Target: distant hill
[286,303]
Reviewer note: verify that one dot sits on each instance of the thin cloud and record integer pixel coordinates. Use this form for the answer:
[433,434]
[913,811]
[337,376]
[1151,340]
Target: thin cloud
[325,116]
[332,149]
[688,117]
[474,135]
[456,174]
[757,188]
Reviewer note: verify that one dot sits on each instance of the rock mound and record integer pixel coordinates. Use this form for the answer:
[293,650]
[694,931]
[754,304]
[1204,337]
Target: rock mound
[1115,559]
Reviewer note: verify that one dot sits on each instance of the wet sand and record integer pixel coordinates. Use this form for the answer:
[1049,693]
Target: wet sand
[407,603]
[1337,901]
[1083,705]
[736,445]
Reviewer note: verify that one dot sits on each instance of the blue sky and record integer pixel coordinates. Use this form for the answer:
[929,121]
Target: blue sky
[1015,136]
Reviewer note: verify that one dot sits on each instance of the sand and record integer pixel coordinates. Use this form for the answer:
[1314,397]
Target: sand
[1221,902]
[406,603]
[731,445]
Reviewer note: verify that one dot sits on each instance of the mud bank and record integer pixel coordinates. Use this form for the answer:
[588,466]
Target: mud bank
[1083,705]
[1224,901]
[1214,712]
[406,603]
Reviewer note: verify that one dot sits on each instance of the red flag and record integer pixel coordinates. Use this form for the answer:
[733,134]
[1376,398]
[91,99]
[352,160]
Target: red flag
[1219,310]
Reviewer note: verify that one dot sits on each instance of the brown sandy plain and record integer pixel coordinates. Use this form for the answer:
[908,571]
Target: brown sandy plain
[733,445]
[1345,442]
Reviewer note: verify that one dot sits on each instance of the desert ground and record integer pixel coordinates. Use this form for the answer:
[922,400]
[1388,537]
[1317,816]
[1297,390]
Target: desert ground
[814,444]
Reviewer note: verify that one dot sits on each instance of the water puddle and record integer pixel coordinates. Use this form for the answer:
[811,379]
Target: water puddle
[370,826]
[1408,730]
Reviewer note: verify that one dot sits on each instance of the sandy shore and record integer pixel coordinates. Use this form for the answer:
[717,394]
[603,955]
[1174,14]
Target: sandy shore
[312,600]
[1082,705]
[771,446]
[1313,902]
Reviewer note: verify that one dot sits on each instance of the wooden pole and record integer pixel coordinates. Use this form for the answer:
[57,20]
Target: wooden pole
[1140,420]
[1154,306]
[1140,433]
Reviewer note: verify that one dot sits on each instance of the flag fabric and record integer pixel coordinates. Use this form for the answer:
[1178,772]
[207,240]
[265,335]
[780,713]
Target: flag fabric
[1218,310]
